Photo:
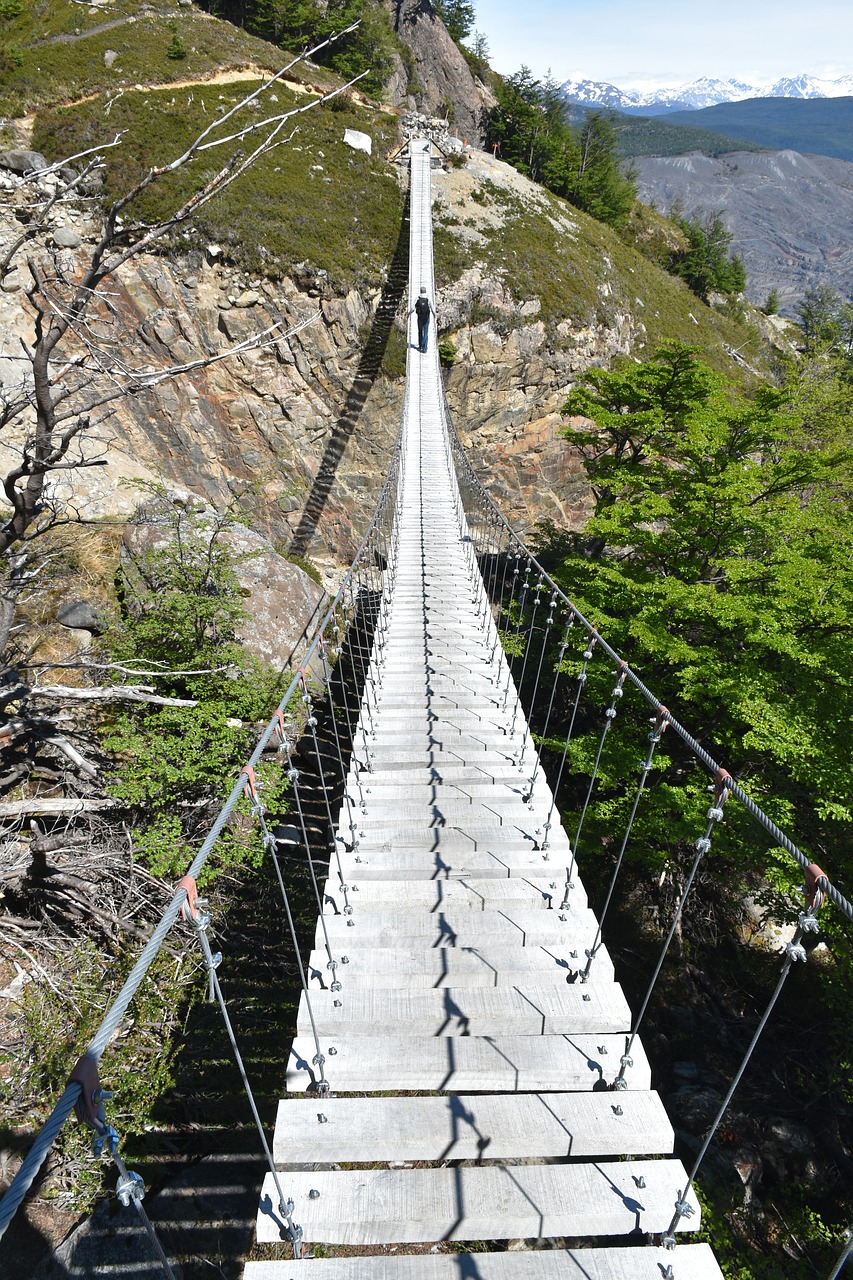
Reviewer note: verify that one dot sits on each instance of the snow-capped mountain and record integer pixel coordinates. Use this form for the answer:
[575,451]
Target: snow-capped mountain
[705,92]
[811,87]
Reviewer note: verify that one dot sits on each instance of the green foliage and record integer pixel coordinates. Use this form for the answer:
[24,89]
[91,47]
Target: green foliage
[656,136]
[10,57]
[10,9]
[771,305]
[477,54]
[601,186]
[706,263]
[530,125]
[182,607]
[720,558]
[458,16]
[67,70]
[826,321]
[176,50]
[138,1067]
[727,1228]
[447,352]
[297,24]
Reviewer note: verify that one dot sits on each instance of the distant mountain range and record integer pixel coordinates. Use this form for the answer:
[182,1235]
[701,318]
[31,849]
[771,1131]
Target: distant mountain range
[706,92]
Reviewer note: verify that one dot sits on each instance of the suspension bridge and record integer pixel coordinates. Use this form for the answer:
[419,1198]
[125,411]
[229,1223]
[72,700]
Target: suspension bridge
[466,1070]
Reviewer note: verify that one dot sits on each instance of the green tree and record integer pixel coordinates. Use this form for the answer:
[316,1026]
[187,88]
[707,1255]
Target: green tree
[602,186]
[295,24]
[458,16]
[771,305]
[826,321]
[182,606]
[530,124]
[720,559]
[707,264]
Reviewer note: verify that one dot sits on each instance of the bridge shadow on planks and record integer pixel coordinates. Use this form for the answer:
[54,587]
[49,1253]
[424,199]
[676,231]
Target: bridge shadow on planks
[368,368]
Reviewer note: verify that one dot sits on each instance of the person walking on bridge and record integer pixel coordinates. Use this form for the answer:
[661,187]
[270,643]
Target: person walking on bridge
[423,309]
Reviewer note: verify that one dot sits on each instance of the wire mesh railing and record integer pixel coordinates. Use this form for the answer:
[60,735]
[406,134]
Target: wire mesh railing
[572,686]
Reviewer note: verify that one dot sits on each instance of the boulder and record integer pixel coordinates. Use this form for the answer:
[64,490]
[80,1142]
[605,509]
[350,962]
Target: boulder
[22,161]
[67,238]
[282,603]
[694,1108]
[80,615]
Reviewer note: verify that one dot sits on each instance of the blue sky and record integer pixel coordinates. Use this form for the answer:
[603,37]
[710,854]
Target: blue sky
[662,42]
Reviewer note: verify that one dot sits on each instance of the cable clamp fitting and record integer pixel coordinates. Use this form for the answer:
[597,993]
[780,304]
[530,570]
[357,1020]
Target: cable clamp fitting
[808,923]
[660,724]
[815,887]
[703,844]
[796,951]
[192,908]
[130,1187]
[684,1209]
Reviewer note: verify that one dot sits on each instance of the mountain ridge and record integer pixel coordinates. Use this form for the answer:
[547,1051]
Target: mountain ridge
[707,91]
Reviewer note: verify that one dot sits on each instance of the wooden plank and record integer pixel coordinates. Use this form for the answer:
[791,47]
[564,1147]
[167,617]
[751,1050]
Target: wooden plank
[496,966]
[375,1206]
[431,896]
[494,1064]
[468,1011]
[407,863]
[463,1127]
[458,835]
[573,929]
[641,1262]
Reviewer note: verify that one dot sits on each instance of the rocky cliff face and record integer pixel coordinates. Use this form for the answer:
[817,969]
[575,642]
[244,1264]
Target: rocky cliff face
[437,80]
[300,434]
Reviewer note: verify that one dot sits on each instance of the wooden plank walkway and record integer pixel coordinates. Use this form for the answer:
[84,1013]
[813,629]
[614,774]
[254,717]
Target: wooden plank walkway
[481,1063]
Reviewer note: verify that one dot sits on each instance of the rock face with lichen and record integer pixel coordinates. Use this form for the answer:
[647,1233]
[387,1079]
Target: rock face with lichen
[438,80]
[299,435]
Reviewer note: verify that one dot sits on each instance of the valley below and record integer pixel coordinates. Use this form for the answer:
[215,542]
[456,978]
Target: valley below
[790,215]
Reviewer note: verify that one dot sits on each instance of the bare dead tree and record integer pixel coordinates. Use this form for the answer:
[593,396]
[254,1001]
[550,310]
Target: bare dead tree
[75,370]
[73,367]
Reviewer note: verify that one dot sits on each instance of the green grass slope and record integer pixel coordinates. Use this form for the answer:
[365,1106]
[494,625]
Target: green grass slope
[313,199]
[815,126]
[61,49]
[543,248]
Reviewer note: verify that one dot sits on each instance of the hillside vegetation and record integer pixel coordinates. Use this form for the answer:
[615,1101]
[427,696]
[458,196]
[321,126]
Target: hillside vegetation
[814,126]
[657,136]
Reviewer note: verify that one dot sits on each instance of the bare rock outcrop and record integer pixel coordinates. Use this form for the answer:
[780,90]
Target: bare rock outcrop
[790,215]
[282,604]
[444,79]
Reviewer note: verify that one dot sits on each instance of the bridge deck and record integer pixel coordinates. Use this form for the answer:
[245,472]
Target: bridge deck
[460,956]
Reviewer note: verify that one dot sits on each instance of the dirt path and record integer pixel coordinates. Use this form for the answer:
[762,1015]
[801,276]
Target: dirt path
[23,126]
[67,37]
